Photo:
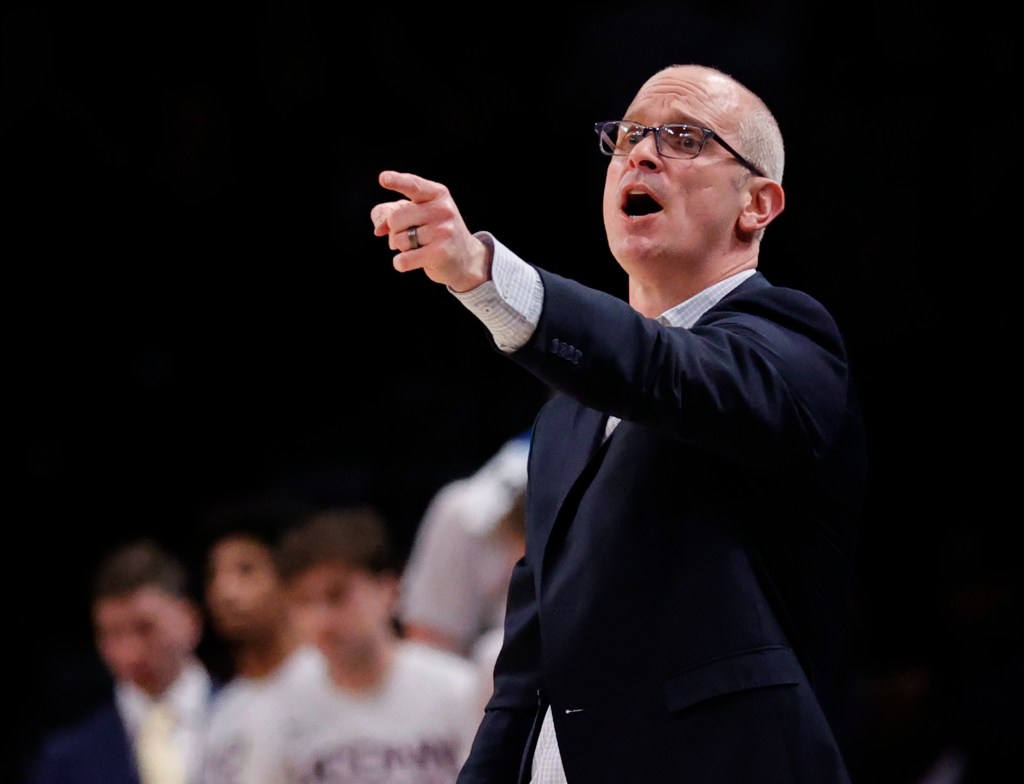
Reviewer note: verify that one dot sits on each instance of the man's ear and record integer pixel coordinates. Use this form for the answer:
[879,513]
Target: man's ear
[765,200]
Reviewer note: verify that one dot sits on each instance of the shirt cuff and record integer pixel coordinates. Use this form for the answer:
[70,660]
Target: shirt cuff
[509,304]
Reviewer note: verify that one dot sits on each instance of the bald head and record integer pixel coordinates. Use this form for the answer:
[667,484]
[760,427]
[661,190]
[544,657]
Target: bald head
[735,111]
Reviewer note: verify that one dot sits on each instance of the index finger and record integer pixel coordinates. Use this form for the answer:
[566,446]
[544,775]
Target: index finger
[412,186]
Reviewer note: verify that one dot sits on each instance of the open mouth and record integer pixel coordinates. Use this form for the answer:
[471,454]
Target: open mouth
[638,204]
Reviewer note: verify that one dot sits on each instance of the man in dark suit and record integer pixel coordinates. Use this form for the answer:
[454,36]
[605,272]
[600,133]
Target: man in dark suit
[147,627]
[695,486]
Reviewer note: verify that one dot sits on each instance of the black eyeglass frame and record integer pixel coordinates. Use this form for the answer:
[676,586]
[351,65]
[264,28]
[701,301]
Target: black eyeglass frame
[656,130]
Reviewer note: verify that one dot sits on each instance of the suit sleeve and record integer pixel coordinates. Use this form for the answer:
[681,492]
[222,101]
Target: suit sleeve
[762,378]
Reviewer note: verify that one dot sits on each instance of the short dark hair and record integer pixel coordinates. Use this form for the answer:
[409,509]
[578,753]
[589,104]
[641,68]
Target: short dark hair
[261,517]
[357,536]
[143,563]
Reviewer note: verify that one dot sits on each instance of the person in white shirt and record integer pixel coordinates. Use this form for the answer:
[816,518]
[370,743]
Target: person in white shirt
[247,607]
[384,710]
[455,580]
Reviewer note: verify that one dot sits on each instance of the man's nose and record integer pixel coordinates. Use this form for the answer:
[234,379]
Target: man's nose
[645,153]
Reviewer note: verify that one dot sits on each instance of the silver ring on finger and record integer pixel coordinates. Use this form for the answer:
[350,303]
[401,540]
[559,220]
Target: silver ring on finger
[413,235]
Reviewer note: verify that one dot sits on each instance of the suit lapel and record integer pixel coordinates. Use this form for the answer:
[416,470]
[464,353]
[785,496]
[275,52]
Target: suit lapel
[581,449]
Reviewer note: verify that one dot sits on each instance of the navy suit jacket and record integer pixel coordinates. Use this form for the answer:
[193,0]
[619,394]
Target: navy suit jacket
[96,750]
[683,597]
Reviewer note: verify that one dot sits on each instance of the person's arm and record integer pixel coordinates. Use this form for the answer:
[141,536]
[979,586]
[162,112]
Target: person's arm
[501,289]
[440,604]
[763,378]
[446,250]
[509,304]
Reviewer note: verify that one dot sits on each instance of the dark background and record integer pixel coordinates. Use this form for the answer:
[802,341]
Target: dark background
[197,306]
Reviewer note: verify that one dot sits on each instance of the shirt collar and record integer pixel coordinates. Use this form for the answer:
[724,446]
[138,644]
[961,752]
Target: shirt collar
[686,313]
[187,695]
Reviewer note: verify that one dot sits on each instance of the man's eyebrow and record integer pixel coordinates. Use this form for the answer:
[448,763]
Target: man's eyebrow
[687,119]
[675,118]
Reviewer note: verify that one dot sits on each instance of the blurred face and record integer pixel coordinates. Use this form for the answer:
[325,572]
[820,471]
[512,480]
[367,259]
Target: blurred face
[345,612]
[146,637]
[661,213]
[245,597]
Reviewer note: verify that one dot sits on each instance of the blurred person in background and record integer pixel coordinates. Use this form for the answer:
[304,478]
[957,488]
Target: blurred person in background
[384,709]
[147,627]
[455,581]
[247,608]
[387,709]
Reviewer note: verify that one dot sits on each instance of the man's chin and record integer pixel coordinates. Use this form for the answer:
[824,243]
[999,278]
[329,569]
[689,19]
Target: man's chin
[635,249]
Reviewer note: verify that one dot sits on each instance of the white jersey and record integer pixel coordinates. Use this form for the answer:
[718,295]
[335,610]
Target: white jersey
[456,578]
[415,728]
[235,738]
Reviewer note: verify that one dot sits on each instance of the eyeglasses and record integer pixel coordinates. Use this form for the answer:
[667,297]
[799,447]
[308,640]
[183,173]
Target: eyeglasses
[672,140]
